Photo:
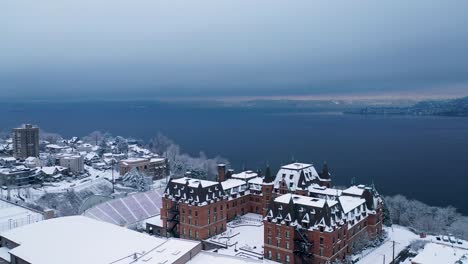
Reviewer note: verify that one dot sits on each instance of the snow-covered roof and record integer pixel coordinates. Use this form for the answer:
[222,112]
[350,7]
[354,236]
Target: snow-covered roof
[133,160]
[91,155]
[9,159]
[56,241]
[256,180]
[194,182]
[304,200]
[55,146]
[349,203]
[210,257]
[245,175]
[437,254]
[317,189]
[355,190]
[232,183]
[296,166]
[155,220]
[30,159]
[157,159]
[291,174]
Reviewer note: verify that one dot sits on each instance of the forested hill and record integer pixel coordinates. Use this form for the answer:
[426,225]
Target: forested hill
[455,107]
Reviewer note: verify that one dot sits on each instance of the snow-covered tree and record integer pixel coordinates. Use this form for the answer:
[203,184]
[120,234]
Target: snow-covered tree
[121,144]
[138,180]
[180,163]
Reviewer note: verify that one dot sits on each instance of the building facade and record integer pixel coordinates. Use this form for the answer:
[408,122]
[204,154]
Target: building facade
[74,163]
[157,168]
[26,142]
[325,226]
[306,221]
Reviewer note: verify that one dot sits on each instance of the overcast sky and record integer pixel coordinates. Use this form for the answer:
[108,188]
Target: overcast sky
[151,48]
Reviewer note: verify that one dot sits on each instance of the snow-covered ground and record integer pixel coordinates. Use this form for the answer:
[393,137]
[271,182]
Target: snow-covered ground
[402,237]
[243,237]
[12,216]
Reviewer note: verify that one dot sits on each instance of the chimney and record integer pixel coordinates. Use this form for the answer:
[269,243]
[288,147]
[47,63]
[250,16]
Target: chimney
[229,174]
[221,172]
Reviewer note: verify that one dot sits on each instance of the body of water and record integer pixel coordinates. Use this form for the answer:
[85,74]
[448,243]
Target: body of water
[424,158]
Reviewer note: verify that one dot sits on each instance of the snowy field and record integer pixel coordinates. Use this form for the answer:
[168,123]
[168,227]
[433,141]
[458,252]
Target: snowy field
[402,237]
[12,216]
[243,237]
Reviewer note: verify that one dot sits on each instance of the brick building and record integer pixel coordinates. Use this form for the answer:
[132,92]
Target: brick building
[324,226]
[306,221]
[155,167]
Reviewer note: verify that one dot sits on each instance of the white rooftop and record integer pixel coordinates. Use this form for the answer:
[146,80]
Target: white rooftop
[155,220]
[56,241]
[349,203]
[355,190]
[194,182]
[291,173]
[232,183]
[304,200]
[317,189]
[245,175]
[134,160]
[296,166]
[209,257]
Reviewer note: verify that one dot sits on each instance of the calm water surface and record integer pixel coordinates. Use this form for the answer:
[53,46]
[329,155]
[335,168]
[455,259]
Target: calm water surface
[425,158]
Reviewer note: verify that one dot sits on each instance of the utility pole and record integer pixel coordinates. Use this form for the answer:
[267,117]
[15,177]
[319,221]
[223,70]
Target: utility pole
[384,259]
[113,181]
[393,258]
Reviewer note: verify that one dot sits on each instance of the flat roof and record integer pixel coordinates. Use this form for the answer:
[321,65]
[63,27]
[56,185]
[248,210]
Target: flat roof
[296,166]
[78,239]
[245,175]
[304,200]
[210,257]
[194,182]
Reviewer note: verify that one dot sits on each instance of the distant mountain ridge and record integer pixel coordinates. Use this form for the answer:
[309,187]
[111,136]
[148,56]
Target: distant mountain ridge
[453,107]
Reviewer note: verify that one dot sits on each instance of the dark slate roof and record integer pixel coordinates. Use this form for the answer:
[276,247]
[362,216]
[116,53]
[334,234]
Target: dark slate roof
[196,192]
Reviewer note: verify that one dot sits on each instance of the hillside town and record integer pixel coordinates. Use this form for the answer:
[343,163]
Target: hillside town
[118,202]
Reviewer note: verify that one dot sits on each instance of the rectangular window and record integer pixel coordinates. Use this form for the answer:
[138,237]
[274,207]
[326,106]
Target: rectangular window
[278,257]
[321,241]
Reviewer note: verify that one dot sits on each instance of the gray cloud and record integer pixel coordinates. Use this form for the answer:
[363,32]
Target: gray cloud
[229,47]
